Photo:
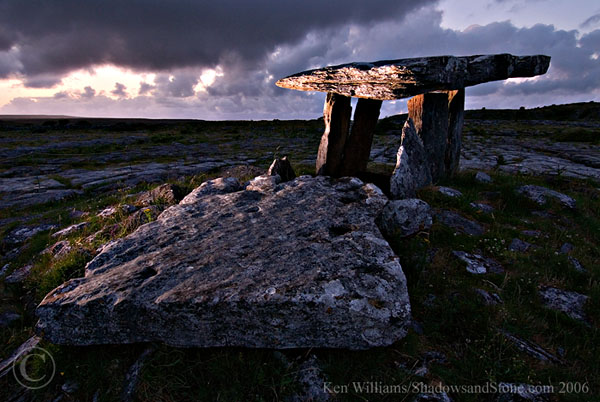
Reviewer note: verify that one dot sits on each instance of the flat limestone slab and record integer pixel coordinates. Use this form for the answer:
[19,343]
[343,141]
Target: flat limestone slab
[403,78]
[291,265]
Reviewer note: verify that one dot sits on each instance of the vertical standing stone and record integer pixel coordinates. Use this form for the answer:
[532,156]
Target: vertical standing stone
[456,111]
[336,114]
[429,113]
[412,170]
[358,144]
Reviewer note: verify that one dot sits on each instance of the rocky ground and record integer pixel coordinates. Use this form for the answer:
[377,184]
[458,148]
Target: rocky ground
[501,262]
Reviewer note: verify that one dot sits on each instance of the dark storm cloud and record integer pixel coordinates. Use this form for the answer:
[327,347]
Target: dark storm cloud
[145,88]
[592,21]
[177,86]
[88,92]
[61,95]
[119,90]
[42,81]
[244,86]
[59,36]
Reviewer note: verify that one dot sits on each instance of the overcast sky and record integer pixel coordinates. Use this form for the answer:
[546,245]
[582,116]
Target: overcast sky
[220,59]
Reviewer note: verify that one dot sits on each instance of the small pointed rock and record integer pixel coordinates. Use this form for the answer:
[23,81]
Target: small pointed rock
[412,170]
[283,168]
[482,177]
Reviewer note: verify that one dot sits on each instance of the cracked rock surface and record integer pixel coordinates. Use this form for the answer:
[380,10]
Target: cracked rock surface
[297,264]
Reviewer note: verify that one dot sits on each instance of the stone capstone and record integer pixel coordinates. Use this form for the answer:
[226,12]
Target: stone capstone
[301,264]
[403,78]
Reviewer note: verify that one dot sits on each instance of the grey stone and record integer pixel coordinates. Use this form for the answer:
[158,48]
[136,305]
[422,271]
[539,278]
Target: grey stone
[8,317]
[566,248]
[70,387]
[482,177]
[24,233]
[397,79]
[449,192]
[263,183]
[478,264]
[107,212]
[283,168]
[127,209]
[576,265]
[141,217]
[530,156]
[519,245]
[412,170]
[4,269]
[19,275]
[7,364]
[490,299]
[303,265]
[312,381]
[165,194]
[75,214]
[358,145]
[532,233]
[405,217]
[570,303]
[429,113]
[37,197]
[336,116]
[459,223]
[456,117]
[434,356]
[531,348]
[540,195]
[70,229]
[58,249]
[133,375]
[485,208]
[212,187]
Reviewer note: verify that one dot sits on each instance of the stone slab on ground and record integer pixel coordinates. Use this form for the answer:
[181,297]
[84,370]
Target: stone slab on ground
[301,264]
[459,223]
[570,303]
[478,264]
[405,217]
[540,195]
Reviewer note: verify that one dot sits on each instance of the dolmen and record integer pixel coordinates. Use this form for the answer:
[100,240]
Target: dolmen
[284,261]
[437,87]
